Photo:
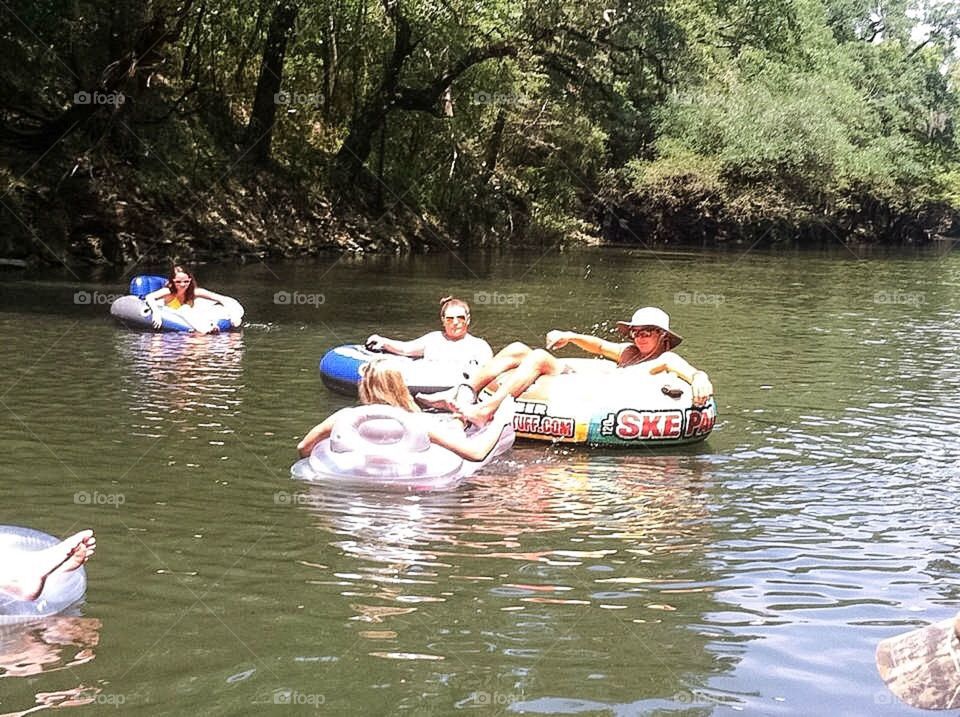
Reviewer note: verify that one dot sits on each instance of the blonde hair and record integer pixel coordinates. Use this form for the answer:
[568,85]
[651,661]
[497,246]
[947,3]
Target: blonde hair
[382,383]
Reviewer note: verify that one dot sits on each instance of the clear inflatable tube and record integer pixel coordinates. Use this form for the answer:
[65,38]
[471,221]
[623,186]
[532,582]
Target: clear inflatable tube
[60,591]
[387,447]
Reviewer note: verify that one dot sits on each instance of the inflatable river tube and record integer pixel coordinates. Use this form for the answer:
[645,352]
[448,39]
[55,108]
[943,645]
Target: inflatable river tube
[599,405]
[388,448]
[340,370]
[60,591]
[134,312]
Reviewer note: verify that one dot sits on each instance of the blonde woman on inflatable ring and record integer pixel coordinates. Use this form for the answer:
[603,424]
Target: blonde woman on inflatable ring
[382,384]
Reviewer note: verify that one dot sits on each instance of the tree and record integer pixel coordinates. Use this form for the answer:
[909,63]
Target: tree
[259,134]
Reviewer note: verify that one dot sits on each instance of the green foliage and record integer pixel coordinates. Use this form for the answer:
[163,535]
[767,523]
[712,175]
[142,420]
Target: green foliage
[768,108]
[821,128]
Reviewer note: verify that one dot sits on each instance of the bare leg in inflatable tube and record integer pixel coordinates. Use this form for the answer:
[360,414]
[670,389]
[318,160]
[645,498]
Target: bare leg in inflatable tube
[24,574]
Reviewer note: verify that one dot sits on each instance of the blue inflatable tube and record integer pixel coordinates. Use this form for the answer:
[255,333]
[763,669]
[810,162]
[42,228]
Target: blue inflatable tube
[388,448]
[60,591]
[134,312]
[340,370]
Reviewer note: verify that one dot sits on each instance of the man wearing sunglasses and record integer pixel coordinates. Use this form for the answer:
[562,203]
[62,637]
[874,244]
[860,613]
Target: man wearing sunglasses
[453,345]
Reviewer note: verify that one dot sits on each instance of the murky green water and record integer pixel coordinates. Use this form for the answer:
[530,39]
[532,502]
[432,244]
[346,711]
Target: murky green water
[754,573]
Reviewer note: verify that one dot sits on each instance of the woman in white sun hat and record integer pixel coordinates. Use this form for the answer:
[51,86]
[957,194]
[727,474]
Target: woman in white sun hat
[650,347]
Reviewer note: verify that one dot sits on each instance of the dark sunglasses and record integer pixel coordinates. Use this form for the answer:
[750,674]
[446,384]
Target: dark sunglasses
[643,331]
[458,317]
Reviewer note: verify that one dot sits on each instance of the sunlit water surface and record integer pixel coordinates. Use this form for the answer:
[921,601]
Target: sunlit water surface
[754,573]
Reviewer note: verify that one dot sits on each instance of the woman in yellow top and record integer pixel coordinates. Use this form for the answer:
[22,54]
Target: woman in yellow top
[179,294]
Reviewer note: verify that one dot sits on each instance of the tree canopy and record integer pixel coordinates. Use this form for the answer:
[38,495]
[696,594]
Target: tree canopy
[638,120]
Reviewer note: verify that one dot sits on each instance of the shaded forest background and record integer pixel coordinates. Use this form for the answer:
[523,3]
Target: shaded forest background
[205,129]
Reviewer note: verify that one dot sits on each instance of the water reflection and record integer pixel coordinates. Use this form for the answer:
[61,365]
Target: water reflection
[54,643]
[75,697]
[654,499]
[559,551]
[184,381]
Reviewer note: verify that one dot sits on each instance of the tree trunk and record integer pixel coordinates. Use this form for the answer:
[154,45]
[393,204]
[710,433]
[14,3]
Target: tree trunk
[331,58]
[369,119]
[259,134]
[493,149]
[390,95]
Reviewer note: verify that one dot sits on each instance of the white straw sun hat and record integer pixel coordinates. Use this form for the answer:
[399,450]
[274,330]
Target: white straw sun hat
[650,316]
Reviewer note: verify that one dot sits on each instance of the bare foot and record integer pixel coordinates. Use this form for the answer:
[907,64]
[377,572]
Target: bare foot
[25,574]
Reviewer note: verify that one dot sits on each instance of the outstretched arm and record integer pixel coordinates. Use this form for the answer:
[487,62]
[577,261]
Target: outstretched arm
[698,380]
[316,434]
[478,446]
[212,295]
[155,301]
[412,348]
[590,344]
[231,304]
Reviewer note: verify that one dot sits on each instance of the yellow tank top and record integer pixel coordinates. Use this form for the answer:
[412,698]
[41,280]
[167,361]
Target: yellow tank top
[173,302]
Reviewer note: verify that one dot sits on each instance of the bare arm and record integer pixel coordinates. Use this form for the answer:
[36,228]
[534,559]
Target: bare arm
[231,304]
[155,298]
[316,434]
[478,446]
[412,348]
[590,344]
[698,380]
[212,295]
[155,301]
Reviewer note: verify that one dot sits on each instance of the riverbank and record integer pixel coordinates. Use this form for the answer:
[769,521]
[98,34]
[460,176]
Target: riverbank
[79,212]
[106,213]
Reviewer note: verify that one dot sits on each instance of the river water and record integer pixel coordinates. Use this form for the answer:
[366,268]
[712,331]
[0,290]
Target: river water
[754,573]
